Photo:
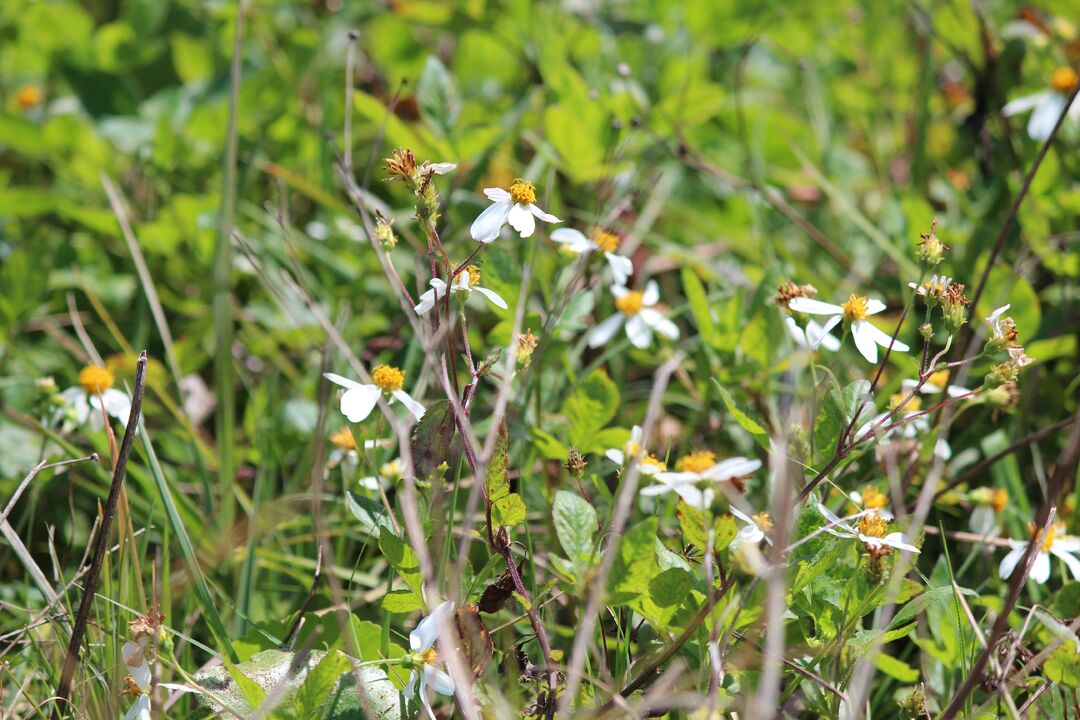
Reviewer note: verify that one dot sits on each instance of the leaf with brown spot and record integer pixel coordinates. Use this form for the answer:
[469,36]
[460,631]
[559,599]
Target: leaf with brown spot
[474,640]
[431,438]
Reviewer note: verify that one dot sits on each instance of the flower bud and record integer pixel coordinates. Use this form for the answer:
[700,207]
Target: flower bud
[931,249]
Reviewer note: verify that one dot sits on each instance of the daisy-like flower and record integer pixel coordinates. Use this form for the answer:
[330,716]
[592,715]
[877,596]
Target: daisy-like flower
[358,400]
[933,290]
[425,661]
[346,450]
[601,241]
[753,530]
[635,308]
[467,281]
[989,503]
[1046,106]
[871,532]
[857,308]
[935,385]
[813,336]
[702,469]
[650,465]
[388,473]
[872,500]
[94,391]
[1056,543]
[401,165]
[516,206]
[1002,330]
[29,97]
[138,679]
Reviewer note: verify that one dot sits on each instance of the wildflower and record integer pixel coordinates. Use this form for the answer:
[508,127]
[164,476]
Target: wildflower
[1047,105]
[384,232]
[988,502]
[526,344]
[935,384]
[753,530]
[813,336]
[635,308]
[347,450]
[787,291]
[931,249]
[401,165]
[358,400]
[95,390]
[857,308]
[516,206]
[954,305]
[601,241]
[933,290]
[872,500]
[871,532]
[29,97]
[425,658]
[1055,543]
[1002,330]
[702,468]
[466,282]
[388,473]
[1007,372]
[650,465]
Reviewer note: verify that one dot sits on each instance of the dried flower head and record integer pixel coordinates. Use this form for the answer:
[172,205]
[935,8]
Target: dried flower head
[788,290]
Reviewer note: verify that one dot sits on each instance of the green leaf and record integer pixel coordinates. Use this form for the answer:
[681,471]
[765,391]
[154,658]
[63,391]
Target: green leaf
[508,511]
[576,527]
[937,595]
[726,529]
[319,683]
[894,667]
[497,482]
[403,602]
[837,410]
[431,438]
[402,558]
[744,420]
[438,96]
[372,515]
[699,305]
[635,563]
[1063,666]
[589,408]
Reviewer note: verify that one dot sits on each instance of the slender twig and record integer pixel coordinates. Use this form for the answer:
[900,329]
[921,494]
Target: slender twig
[63,688]
[41,466]
[291,636]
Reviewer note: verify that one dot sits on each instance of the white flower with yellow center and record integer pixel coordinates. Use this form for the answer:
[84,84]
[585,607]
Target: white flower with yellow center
[94,391]
[650,465]
[1056,543]
[516,206]
[1047,106]
[427,671]
[813,336]
[932,289]
[856,310]
[467,281]
[358,400]
[870,531]
[635,309]
[388,473]
[753,528]
[935,384]
[601,241]
[346,450]
[701,469]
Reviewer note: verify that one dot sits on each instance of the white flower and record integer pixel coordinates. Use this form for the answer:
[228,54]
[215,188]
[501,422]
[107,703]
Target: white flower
[388,472]
[935,287]
[635,308]
[1003,330]
[601,241]
[437,168]
[467,281]
[422,642]
[700,468]
[358,400]
[516,206]
[812,336]
[935,384]
[95,389]
[1048,105]
[1055,543]
[649,464]
[857,308]
[870,519]
[752,532]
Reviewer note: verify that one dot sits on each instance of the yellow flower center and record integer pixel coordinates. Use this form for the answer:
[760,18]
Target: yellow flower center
[391,470]
[999,500]
[607,242]
[388,378]
[522,192]
[697,462]
[630,303]
[873,525]
[874,499]
[912,405]
[855,307]
[1064,79]
[474,274]
[652,461]
[763,521]
[96,379]
[28,96]
[940,378]
[1049,539]
[344,439]
[428,657]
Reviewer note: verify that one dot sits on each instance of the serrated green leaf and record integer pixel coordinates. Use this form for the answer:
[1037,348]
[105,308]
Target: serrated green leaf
[508,511]
[837,410]
[576,527]
[1063,666]
[402,558]
[497,482]
[635,563]
[402,602]
[589,408]
[431,438]
[319,683]
[894,667]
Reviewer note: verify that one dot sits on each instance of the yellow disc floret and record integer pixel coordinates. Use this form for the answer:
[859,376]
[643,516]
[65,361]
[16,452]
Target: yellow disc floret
[607,242]
[28,97]
[630,303]
[391,470]
[1064,79]
[388,378]
[873,525]
[913,404]
[697,462]
[855,308]
[522,192]
[874,499]
[474,274]
[940,378]
[652,461]
[1050,532]
[95,379]
[428,657]
[763,521]
[999,500]
[344,439]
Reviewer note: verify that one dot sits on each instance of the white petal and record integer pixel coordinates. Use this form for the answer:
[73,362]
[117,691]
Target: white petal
[814,307]
[749,535]
[883,338]
[896,540]
[603,332]
[1040,571]
[659,323]
[496,195]
[658,489]
[651,296]
[411,405]
[368,483]
[955,391]
[486,227]
[1023,104]
[546,217]
[357,402]
[136,664]
[731,468]
[342,381]
[796,332]
[639,333]
[1008,563]
[1070,560]
[941,447]
[439,680]
[441,168]
[140,710]
[428,299]
[826,339]
[695,497]
[573,239]
[864,340]
[427,632]
[873,307]
[619,291]
[621,267]
[521,220]
[983,520]
[1042,120]
[491,295]
[615,456]
[636,434]
[410,689]
[117,403]
[678,478]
